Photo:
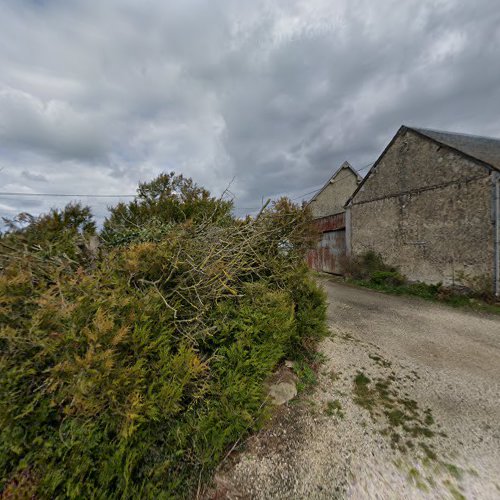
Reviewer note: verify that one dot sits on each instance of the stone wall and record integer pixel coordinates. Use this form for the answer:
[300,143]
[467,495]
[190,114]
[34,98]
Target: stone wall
[333,198]
[426,210]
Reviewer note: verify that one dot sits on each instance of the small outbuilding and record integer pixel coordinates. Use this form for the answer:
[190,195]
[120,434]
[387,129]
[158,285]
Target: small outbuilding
[430,205]
[327,208]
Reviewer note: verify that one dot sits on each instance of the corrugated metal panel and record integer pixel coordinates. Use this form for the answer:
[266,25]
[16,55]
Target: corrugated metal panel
[330,254]
[330,223]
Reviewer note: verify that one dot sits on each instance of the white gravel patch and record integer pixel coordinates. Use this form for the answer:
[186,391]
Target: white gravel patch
[325,445]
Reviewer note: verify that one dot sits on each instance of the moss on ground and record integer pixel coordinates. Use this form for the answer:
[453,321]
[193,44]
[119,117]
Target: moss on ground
[404,423]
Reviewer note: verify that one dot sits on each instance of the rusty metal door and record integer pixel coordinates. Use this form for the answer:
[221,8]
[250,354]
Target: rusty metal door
[329,256]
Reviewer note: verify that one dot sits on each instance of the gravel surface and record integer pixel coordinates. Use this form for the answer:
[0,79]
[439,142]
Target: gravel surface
[407,405]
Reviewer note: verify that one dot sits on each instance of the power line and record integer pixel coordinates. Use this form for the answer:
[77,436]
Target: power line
[335,180]
[70,195]
[67,195]
[305,194]
[364,167]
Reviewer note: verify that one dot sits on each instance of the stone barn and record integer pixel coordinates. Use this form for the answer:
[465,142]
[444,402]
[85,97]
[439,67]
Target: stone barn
[430,205]
[327,207]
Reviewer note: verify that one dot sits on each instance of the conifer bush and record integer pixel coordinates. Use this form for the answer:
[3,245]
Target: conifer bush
[129,370]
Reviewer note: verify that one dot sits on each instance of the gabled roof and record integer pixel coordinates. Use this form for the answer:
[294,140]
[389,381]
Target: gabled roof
[483,150]
[345,166]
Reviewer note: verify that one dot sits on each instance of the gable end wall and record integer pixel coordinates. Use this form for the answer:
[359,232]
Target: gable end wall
[333,198]
[428,211]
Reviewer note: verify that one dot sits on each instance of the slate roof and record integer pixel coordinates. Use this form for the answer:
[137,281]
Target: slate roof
[485,149]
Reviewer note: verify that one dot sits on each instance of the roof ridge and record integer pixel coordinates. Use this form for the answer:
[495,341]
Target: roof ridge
[447,132]
[345,164]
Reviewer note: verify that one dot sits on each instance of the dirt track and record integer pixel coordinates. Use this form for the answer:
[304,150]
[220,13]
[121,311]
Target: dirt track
[407,406]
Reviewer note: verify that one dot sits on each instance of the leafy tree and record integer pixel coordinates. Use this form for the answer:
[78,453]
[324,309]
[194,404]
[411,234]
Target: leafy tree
[168,199]
[60,231]
[74,218]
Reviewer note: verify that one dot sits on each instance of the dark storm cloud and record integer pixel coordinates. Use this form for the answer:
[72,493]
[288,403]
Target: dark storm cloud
[96,96]
[33,176]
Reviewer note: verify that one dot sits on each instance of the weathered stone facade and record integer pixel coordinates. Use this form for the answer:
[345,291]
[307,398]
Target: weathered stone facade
[332,198]
[427,209]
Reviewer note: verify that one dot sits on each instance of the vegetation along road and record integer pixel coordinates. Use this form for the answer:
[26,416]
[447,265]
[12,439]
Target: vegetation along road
[407,405]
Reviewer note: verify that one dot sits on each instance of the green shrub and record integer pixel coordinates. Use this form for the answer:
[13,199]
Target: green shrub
[366,265]
[369,270]
[129,373]
[310,311]
[424,290]
[390,278]
[168,199]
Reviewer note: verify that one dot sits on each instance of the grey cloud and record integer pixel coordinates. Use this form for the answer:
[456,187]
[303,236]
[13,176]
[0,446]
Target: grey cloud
[96,96]
[33,176]
[53,127]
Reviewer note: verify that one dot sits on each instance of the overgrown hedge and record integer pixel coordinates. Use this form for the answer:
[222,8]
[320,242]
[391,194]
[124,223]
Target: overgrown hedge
[128,370]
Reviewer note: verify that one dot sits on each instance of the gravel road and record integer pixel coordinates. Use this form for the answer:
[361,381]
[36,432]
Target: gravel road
[407,405]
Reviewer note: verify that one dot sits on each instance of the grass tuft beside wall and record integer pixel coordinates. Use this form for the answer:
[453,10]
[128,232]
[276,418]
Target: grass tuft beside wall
[369,270]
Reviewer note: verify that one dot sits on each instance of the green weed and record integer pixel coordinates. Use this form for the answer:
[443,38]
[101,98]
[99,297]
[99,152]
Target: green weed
[369,270]
[306,375]
[334,408]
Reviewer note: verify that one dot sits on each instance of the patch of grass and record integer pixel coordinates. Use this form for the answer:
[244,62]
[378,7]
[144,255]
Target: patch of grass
[364,396]
[318,358]
[410,404]
[430,292]
[361,380]
[306,375]
[405,424]
[455,471]
[415,477]
[429,419]
[413,474]
[429,452]
[402,415]
[334,408]
[396,417]
[387,278]
[419,430]
[454,491]
[369,270]
[379,360]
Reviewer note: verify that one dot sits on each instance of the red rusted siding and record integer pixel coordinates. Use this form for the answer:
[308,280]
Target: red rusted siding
[330,223]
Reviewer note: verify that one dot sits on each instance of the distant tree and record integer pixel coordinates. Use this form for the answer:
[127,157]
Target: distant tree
[168,199]
[284,213]
[60,231]
[74,218]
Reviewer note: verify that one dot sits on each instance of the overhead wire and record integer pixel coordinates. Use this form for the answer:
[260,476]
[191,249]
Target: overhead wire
[331,182]
[86,195]
[69,195]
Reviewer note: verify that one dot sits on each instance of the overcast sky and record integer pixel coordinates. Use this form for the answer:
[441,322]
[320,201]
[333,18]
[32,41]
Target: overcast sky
[98,95]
